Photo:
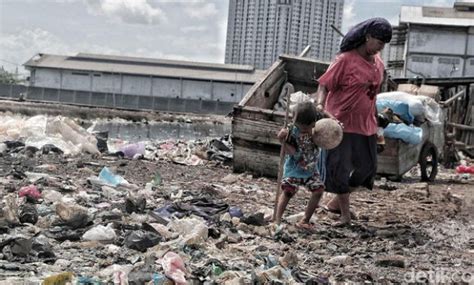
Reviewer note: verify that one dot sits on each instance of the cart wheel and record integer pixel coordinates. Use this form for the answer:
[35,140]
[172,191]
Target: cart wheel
[428,162]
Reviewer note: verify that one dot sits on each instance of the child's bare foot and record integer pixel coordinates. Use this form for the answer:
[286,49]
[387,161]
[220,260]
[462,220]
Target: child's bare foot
[276,229]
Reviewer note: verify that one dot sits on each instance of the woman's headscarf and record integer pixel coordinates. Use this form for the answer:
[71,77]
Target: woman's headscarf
[378,28]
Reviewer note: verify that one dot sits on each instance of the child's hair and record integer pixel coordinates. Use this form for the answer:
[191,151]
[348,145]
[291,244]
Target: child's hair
[306,113]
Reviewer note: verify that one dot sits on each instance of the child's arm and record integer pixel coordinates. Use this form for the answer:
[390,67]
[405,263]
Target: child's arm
[283,137]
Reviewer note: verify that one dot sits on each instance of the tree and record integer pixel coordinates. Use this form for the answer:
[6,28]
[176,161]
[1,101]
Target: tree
[8,77]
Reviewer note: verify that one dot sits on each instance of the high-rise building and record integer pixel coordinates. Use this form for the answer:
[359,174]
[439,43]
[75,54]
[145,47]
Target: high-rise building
[258,31]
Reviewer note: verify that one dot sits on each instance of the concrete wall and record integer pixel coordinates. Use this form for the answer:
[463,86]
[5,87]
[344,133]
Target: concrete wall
[435,66]
[116,101]
[139,85]
[437,40]
[73,80]
[193,89]
[439,51]
[166,87]
[47,78]
[106,83]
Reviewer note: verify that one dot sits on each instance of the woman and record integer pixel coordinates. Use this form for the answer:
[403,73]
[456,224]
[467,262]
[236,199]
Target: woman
[347,91]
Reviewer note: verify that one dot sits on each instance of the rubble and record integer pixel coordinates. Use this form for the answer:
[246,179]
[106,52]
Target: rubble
[178,221]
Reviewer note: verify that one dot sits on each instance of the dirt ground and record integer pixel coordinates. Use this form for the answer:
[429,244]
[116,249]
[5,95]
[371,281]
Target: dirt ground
[405,231]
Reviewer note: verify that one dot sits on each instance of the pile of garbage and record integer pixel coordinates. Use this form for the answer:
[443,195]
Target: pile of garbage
[163,213]
[41,132]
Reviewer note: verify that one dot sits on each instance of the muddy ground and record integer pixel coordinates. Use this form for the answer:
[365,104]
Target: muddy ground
[403,229]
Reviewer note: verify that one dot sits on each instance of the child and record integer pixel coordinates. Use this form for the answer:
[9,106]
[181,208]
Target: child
[300,167]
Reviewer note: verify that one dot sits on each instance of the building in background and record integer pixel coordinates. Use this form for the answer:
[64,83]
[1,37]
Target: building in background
[258,31]
[138,83]
[433,42]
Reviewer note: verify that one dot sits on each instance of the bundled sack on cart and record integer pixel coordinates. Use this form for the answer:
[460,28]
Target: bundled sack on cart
[397,122]
[420,108]
[390,125]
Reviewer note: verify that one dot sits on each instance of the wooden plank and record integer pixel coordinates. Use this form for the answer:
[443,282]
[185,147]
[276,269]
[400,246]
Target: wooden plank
[262,97]
[387,165]
[294,58]
[452,99]
[255,113]
[461,127]
[408,156]
[257,162]
[274,93]
[305,70]
[256,94]
[257,131]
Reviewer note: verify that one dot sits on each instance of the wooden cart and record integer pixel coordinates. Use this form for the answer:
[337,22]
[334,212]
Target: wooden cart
[399,157]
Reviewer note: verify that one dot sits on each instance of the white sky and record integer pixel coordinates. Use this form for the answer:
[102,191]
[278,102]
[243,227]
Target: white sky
[173,29]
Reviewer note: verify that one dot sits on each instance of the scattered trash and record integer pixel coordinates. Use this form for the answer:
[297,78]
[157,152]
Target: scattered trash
[176,222]
[100,233]
[394,260]
[174,268]
[107,177]
[72,215]
[28,214]
[141,240]
[157,179]
[135,203]
[59,279]
[465,169]
[131,150]
[30,191]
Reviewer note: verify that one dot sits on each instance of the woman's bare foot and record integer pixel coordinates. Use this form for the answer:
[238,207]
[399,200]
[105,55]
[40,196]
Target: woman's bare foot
[342,223]
[304,225]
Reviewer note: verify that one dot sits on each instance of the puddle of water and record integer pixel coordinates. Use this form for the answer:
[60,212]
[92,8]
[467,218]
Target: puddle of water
[162,130]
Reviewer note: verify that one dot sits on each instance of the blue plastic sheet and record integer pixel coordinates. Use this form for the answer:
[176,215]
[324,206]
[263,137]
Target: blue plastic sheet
[408,134]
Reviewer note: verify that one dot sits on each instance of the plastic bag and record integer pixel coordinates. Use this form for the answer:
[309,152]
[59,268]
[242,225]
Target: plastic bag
[433,112]
[194,231]
[298,97]
[108,177]
[131,150]
[100,233]
[174,268]
[30,191]
[414,102]
[408,134]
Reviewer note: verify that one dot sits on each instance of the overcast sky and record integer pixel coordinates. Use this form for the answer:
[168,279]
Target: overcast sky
[173,29]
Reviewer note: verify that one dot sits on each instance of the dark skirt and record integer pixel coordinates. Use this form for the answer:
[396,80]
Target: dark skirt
[353,163]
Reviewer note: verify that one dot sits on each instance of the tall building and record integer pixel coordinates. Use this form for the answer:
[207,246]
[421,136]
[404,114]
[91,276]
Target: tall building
[258,31]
